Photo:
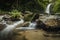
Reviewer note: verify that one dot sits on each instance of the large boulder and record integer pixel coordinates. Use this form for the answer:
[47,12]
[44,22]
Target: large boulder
[51,22]
[52,25]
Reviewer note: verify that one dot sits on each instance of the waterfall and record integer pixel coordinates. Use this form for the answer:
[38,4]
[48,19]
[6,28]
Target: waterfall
[32,25]
[48,8]
[8,30]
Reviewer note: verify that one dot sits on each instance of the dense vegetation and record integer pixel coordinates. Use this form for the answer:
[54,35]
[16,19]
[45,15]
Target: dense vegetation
[29,5]
[56,7]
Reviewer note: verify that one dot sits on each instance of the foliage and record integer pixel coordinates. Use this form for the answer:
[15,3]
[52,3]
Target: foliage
[15,14]
[33,5]
[56,7]
[30,5]
[6,4]
[28,17]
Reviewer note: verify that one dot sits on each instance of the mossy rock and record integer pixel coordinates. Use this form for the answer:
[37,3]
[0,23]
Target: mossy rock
[27,17]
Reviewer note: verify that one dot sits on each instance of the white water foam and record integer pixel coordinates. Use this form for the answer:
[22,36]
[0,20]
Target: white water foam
[48,8]
[10,28]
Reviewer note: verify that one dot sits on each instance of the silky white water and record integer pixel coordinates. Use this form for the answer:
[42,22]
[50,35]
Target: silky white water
[48,8]
[9,28]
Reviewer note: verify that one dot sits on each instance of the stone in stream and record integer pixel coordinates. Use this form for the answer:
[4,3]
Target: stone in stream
[2,26]
[40,24]
[25,24]
[6,17]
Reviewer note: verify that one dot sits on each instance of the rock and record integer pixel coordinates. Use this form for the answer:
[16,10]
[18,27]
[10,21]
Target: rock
[52,22]
[28,12]
[52,25]
[27,17]
[1,18]
[25,24]
[6,17]
[9,22]
[2,26]
[14,19]
[36,16]
[40,24]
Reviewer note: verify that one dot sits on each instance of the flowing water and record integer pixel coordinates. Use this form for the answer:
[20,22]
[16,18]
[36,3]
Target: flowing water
[48,8]
[8,30]
[32,25]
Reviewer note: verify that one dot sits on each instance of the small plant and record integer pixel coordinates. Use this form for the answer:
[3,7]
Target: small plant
[15,14]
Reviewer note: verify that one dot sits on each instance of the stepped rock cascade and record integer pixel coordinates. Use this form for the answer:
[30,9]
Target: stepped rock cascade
[32,25]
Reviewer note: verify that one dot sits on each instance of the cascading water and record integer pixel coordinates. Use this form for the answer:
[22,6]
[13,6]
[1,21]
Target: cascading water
[32,25]
[48,8]
[8,30]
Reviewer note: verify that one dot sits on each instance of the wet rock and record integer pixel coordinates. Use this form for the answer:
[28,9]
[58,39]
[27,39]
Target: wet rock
[36,16]
[47,17]
[9,22]
[28,12]
[52,25]
[2,26]
[25,24]
[1,18]
[14,19]
[27,17]
[40,24]
[6,17]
